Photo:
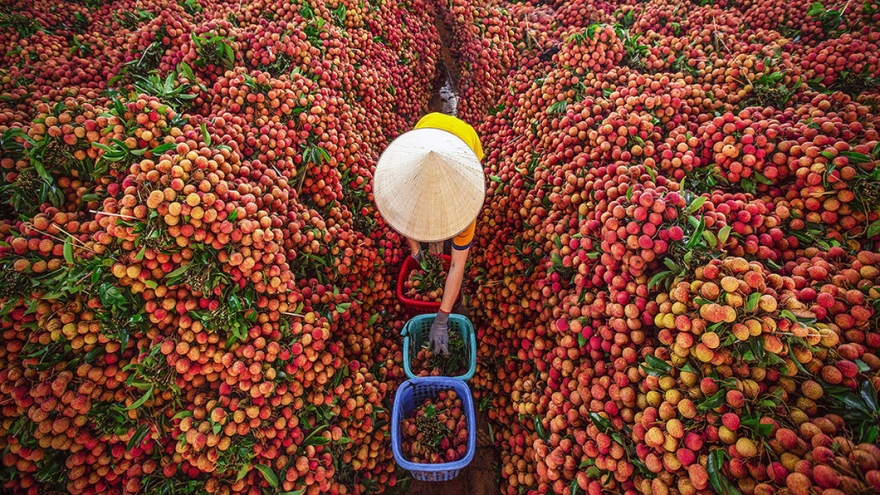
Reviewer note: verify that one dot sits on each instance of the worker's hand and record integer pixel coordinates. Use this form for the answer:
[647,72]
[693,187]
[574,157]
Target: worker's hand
[440,334]
[419,255]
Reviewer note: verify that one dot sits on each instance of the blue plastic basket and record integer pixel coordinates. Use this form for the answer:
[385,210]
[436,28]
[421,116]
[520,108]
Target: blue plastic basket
[411,394]
[417,330]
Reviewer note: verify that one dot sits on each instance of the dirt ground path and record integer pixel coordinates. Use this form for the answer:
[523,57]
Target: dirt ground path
[444,98]
[480,477]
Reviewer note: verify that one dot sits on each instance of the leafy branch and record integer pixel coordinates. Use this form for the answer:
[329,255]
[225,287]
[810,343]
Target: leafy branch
[169,90]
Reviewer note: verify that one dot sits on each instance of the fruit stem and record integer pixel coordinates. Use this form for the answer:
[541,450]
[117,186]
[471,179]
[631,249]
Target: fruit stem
[60,239]
[126,217]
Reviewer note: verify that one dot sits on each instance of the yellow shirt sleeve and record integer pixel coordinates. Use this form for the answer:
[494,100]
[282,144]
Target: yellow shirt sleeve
[463,241]
[456,126]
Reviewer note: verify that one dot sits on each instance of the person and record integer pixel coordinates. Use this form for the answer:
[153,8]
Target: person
[429,187]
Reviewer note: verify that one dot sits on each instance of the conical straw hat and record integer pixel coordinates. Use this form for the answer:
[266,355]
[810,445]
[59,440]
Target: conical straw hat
[429,185]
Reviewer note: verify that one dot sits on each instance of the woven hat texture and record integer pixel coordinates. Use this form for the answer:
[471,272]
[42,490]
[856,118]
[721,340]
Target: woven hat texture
[429,185]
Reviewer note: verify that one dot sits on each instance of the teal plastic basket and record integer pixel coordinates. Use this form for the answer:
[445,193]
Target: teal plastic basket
[417,331]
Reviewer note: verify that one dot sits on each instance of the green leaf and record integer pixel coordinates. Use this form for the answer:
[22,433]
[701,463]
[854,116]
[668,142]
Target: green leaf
[270,476]
[688,368]
[539,428]
[234,303]
[205,136]
[873,229]
[710,238]
[857,157]
[800,367]
[712,402]
[866,391]
[716,477]
[754,424]
[68,250]
[242,472]
[655,366]
[177,272]
[658,278]
[558,107]
[187,71]
[297,492]
[317,440]
[587,463]
[232,216]
[169,82]
[724,234]
[7,308]
[110,295]
[694,241]
[752,301]
[373,319]
[629,193]
[603,424]
[138,436]
[138,403]
[695,205]
[162,148]
[762,179]
[574,487]
[151,284]
[140,255]
[788,314]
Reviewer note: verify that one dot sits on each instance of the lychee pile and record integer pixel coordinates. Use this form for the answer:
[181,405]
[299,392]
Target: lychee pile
[675,278]
[195,293]
[662,220]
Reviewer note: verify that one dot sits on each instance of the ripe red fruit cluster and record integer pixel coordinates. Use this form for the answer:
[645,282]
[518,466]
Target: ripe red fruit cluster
[195,289]
[641,273]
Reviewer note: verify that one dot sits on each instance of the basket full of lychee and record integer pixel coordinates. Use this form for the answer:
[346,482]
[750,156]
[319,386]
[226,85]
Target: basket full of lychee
[420,285]
[433,433]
